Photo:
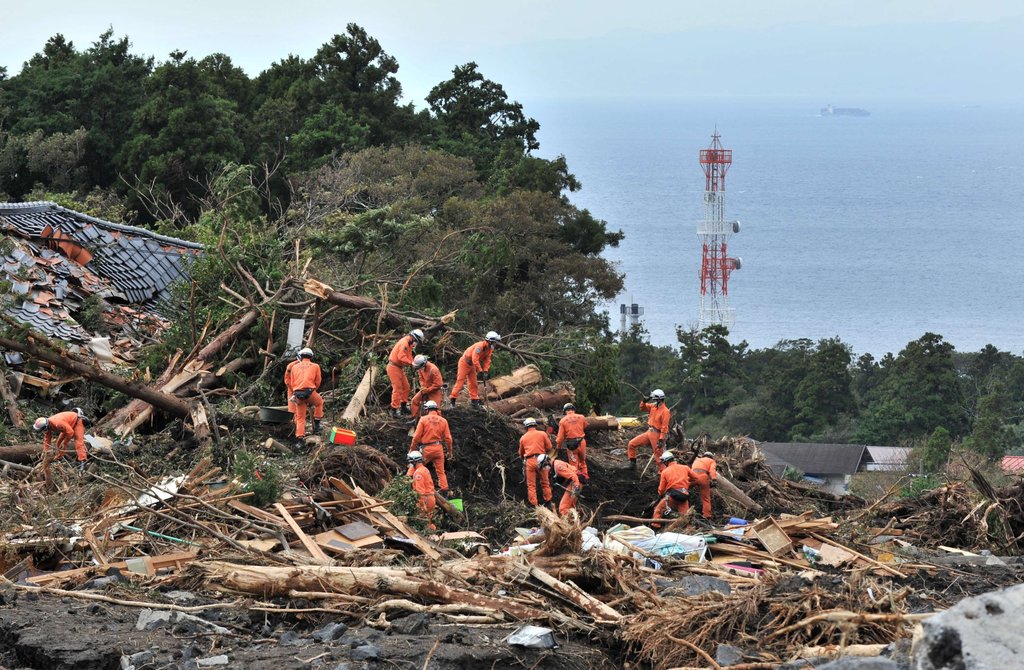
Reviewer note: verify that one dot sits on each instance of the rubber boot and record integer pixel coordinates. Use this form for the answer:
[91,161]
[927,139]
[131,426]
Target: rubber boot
[476,404]
[632,464]
[395,412]
[300,443]
[453,402]
[316,426]
[404,409]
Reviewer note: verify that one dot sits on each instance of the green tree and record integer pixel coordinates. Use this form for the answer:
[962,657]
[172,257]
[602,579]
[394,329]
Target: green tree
[935,453]
[824,394]
[991,434]
[708,367]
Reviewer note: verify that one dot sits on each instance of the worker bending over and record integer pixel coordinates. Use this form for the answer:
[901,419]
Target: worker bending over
[474,366]
[302,379]
[400,358]
[704,478]
[572,435]
[430,383]
[674,487]
[533,449]
[58,431]
[657,428]
[568,478]
[431,439]
[423,485]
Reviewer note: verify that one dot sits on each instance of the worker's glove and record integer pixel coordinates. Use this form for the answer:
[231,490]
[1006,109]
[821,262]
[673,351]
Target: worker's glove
[451,457]
[81,466]
[714,483]
[484,375]
[293,399]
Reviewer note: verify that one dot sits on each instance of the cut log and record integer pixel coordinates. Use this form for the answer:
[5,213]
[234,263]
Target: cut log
[10,400]
[546,398]
[125,412]
[217,378]
[280,581]
[448,508]
[21,453]
[358,401]
[40,347]
[730,490]
[227,336]
[517,382]
[577,596]
[602,423]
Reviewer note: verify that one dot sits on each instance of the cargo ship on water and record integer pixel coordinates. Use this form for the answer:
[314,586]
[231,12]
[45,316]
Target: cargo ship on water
[844,111]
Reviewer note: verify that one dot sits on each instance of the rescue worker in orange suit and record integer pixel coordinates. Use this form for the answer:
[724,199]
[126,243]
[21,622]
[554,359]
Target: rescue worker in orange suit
[432,439]
[657,428]
[568,474]
[430,383]
[302,379]
[65,426]
[475,366]
[674,487]
[533,449]
[423,485]
[572,435]
[705,478]
[400,358]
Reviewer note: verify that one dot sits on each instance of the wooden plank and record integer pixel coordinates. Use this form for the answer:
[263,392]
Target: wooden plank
[386,517]
[152,563]
[309,544]
[257,513]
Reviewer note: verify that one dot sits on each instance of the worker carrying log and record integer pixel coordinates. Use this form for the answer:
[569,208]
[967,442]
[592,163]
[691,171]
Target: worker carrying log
[704,478]
[673,487]
[302,380]
[432,438]
[58,430]
[533,449]
[430,383]
[572,435]
[474,367]
[423,486]
[657,428]
[568,479]
[401,357]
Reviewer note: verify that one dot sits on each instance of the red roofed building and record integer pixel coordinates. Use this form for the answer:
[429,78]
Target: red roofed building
[1012,464]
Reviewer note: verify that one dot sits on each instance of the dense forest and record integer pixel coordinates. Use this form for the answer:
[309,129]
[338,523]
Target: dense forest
[432,210]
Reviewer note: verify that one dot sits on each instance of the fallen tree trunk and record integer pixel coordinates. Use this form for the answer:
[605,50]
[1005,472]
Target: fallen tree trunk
[358,401]
[361,303]
[730,490]
[279,581]
[48,352]
[602,423]
[520,379]
[546,398]
[217,378]
[227,336]
[21,453]
[125,412]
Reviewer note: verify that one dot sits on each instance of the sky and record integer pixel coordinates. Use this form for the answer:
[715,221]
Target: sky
[576,48]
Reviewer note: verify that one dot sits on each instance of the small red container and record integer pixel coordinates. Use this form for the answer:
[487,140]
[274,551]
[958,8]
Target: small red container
[343,436]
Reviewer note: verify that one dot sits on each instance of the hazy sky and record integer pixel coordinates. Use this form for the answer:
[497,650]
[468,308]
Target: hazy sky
[429,38]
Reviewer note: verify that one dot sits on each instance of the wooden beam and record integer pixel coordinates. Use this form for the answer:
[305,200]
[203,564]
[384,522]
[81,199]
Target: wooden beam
[358,401]
[315,551]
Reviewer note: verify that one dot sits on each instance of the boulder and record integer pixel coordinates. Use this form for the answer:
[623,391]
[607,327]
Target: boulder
[977,633]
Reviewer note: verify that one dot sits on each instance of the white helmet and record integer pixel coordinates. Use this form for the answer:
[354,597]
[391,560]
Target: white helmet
[304,352]
[568,406]
[667,456]
[414,457]
[81,415]
[419,361]
[41,423]
[530,422]
[708,454]
[657,394]
[430,405]
[492,336]
[543,461]
[417,335]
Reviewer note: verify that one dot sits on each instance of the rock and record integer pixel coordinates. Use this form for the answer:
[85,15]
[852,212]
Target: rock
[978,632]
[803,663]
[856,663]
[288,639]
[136,660]
[693,585]
[726,654]
[343,666]
[183,623]
[365,653]
[212,661]
[180,596]
[153,619]
[330,632]
[413,624]
[93,608]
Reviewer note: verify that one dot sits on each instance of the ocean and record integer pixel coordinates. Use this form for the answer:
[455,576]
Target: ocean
[871,229]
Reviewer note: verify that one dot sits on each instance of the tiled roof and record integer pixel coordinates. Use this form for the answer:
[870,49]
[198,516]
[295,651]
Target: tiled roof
[59,257]
[1012,463]
[813,458]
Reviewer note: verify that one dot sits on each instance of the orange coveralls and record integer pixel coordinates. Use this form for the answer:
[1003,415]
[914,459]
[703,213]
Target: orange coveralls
[567,472]
[299,375]
[704,472]
[433,435]
[65,425]
[430,387]
[674,478]
[474,360]
[400,358]
[423,485]
[572,427]
[531,445]
[657,430]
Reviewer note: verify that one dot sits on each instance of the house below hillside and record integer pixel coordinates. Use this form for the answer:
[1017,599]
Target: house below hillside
[832,465]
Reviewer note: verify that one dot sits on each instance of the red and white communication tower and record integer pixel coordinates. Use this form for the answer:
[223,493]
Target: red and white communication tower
[714,232]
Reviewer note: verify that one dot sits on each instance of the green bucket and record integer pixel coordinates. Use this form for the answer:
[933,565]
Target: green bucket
[456,503]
